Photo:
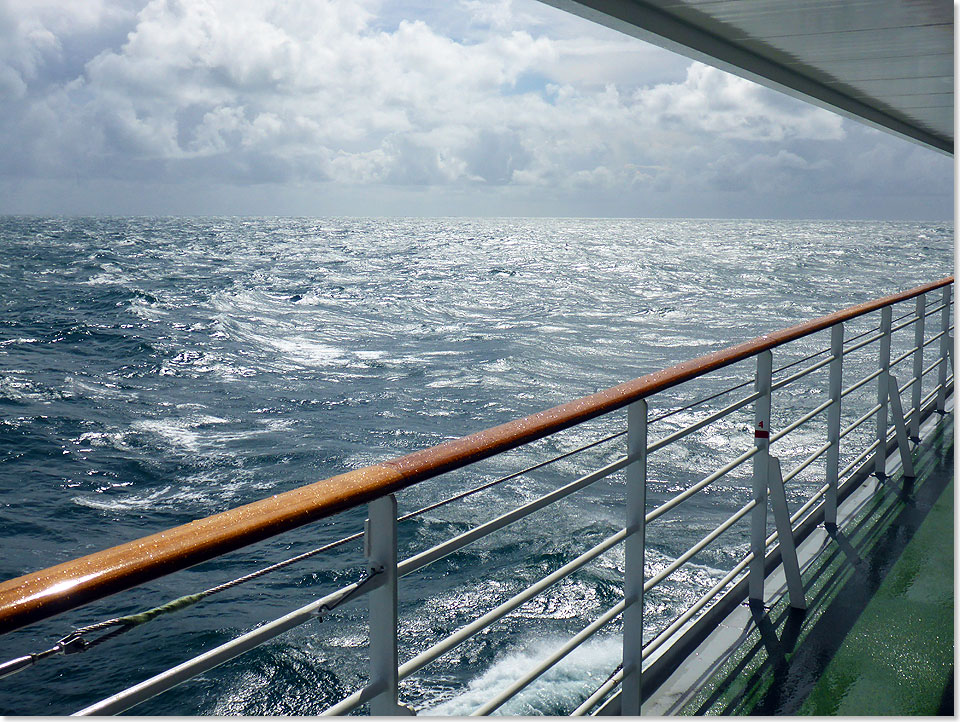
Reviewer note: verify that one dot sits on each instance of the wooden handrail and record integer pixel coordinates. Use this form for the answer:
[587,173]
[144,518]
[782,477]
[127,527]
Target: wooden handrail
[46,593]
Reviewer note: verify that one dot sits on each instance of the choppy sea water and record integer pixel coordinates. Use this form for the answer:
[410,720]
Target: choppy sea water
[158,370]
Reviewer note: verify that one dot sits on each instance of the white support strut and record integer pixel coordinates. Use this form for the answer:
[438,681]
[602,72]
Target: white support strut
[788,549]
[903,438]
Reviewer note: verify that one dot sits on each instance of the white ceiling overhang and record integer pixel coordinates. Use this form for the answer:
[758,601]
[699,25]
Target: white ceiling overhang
[888,63]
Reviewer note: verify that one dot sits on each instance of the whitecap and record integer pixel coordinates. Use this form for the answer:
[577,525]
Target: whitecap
[559,690]
[180,432]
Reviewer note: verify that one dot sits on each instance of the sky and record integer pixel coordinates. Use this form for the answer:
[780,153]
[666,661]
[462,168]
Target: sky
[414,108]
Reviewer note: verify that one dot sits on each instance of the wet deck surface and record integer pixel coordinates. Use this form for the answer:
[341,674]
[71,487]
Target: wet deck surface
[877,637]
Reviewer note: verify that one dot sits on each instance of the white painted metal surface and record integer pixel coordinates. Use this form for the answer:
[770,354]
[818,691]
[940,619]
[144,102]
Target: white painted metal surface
[636,476]
[833,423]
[917,391]
[761,471]
[883,389]
[888,63]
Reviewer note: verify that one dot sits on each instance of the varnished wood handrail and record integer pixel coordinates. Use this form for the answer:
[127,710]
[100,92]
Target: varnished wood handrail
[43,594]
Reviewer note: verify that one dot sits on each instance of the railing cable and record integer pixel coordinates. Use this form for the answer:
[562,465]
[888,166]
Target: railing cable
[76,642]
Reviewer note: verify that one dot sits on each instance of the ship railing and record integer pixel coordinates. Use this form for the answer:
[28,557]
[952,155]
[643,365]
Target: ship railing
[41,595]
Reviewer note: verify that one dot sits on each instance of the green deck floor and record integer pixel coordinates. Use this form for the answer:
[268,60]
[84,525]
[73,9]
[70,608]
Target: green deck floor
[878,635]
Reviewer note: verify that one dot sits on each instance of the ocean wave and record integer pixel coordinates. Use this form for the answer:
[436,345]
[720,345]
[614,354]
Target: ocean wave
[558,692]
[190,433]
[22,388]
[204,491]
[198,363]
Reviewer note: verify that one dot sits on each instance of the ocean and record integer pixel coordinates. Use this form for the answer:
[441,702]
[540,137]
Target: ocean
[158,370]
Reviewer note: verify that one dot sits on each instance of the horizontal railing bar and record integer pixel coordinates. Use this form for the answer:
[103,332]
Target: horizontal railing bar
[898,326]
[578,639]
[934,338]
[874,409]
[748,382]
[929,397]
[801,373]
[703,422]
[873,329]
[934,310]
[934,365]
[865,380]
[601,692]
[860,345]
[467,631]
[806,462]
[863,455]
[696,607]
[698,402]
[170,678]
[904,355]
[698,547]
[418,561]
[687,493]
[910,322]
[356,699]
[857,337]
[801,421]
[808,505]
[40,595]
[508,477]
[906,386]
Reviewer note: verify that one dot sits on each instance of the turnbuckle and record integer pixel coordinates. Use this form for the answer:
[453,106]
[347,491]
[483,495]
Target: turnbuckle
[71,644]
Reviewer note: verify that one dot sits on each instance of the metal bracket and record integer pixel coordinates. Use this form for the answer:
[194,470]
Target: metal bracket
[788,549]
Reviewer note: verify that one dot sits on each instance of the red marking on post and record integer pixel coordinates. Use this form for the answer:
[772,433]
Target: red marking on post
[761,434]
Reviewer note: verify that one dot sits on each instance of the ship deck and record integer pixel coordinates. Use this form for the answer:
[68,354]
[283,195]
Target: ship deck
[877,637]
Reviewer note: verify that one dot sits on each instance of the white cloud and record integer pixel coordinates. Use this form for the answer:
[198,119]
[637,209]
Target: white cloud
[31,33]
[253,91]
[713,102]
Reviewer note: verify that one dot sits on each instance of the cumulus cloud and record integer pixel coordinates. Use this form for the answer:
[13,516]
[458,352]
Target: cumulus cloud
[484,94]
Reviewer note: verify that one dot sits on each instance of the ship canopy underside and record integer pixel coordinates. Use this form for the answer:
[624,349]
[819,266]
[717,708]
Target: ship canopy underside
[888,63]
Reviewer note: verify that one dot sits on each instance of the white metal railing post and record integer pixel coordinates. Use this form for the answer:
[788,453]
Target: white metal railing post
[944,350]
[636,476]
[380,547]
[833,424]
[761,471]
[883,391]
[919,332]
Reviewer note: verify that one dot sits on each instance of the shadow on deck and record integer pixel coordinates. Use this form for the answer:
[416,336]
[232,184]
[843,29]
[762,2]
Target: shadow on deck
[877,637]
